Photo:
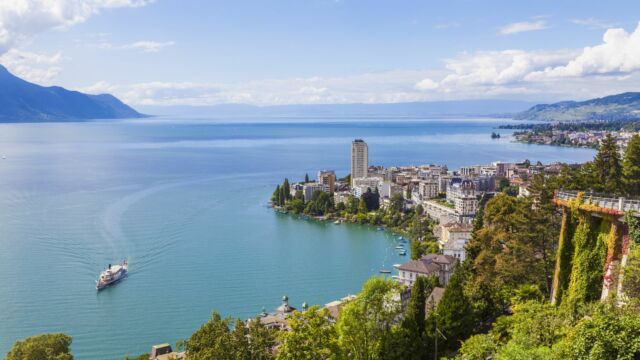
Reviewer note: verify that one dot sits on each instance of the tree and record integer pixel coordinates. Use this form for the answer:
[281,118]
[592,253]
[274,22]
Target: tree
[362,206]
[312,336]
[261,341]
[606,172]
[366,323]
[275,198]
[631,167]
[306,178]
[352,205]
[397,203]
[371,199]
[286,189]
[454,314]
[609,333]
[420,248]
[42,347]
[215,340]
[477,347]
[415,343]
[516,245]
[212,340]
[631,273]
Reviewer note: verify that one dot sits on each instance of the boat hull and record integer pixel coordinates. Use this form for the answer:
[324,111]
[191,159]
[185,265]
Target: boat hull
[101,285]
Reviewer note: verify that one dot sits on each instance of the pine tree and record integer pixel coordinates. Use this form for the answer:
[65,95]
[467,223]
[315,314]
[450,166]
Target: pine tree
[306,178]
[455,313]
[275,198]
[362,206]
[631,167]
[413,343]
[606,170]
[282,196]
[287,190]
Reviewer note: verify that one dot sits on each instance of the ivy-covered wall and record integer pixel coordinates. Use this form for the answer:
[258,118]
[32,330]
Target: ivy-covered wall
[582,253]
[564,258]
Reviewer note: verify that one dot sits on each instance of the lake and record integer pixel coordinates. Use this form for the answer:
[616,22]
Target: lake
[185,202]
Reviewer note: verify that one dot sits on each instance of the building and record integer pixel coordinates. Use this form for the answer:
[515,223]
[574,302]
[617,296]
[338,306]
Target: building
[359,159]
[428,189]
[431,264]
[328,178]
[164,352]
[387,189]
[341,197]
[370,182]
[358,190]
[454,238]
[335,306]
[309,188]
[464,198]
[433,300]
[278,319]
[443,214]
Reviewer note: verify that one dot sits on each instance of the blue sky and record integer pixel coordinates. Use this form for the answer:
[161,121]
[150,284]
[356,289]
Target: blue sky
[170,52]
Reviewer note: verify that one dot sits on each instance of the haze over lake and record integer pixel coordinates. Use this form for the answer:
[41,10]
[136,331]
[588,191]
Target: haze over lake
[185,202]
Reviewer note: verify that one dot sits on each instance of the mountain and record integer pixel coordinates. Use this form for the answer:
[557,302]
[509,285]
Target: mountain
[22,101]
[625,106]
[331,111]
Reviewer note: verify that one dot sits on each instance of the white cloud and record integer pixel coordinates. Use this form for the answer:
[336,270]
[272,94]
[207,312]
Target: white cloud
[609,67]
[618,54]
[382,87]
[594,23]
[612,64]
[21,19]
[500,67]
[34,67]
[149,46]
[427,84]
[523,26]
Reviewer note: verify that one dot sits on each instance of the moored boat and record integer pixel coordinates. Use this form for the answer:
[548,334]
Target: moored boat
[112,274]
[385,271]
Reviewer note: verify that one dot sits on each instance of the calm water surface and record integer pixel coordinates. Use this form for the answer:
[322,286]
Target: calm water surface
[184,201]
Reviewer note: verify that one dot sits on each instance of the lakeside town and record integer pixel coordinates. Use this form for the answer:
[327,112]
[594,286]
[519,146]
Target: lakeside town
[576,133]
[448,200]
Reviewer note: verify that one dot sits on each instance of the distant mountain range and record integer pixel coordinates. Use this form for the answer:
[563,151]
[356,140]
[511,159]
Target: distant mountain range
[22,101]
[625,106]
[462,108]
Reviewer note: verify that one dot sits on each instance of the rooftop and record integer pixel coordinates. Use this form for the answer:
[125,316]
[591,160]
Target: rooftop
[428,264]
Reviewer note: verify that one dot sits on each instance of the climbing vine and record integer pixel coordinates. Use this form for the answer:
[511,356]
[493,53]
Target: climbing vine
[590,242]
[633,223]
[564,257]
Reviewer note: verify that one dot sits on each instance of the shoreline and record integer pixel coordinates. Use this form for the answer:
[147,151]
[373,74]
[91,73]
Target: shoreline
[381,227]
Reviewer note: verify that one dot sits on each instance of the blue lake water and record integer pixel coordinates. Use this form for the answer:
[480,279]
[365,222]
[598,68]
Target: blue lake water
[185,202]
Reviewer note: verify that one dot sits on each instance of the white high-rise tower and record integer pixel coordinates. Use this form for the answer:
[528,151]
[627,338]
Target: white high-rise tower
[359,159]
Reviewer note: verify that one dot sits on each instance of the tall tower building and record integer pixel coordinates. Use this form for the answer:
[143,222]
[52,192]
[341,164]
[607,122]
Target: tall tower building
[359,159]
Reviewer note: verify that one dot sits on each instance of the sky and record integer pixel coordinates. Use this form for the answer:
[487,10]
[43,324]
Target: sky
[263,52]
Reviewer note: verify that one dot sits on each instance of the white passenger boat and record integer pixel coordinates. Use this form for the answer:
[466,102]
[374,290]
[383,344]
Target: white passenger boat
[112,274]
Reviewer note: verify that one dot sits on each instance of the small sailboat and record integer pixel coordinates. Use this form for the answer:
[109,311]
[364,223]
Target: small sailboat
[400,247]
[402,253]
